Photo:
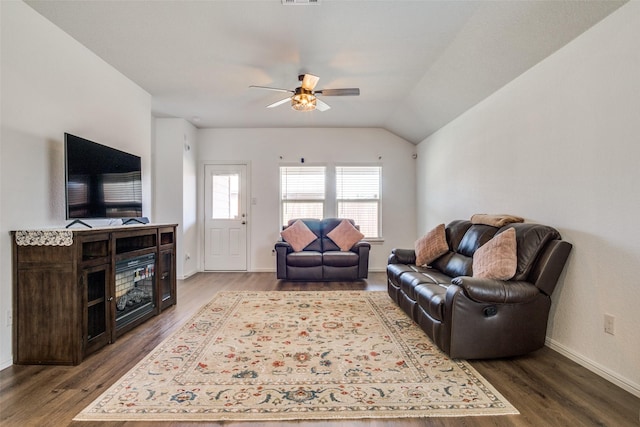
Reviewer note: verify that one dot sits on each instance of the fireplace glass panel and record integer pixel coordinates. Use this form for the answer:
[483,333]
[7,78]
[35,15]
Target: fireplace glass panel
[135,290]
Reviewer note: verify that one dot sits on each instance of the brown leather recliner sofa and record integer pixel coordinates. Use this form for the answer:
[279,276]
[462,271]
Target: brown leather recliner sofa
[477,318]
[322,259]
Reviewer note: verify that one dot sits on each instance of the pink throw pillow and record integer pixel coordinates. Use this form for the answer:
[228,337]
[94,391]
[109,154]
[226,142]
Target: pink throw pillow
[431,246]
[298,235]
[345,235]
[498,258]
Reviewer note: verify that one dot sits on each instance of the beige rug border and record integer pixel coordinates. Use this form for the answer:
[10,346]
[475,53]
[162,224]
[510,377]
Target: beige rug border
[509,409]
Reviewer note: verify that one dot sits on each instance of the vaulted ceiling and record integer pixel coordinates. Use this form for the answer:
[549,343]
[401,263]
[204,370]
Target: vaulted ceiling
[418,64]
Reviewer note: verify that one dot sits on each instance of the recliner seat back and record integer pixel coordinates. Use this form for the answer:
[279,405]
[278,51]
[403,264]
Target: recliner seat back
[464,238]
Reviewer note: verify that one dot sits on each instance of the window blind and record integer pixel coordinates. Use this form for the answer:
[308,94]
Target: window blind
[358,196]
[302,192]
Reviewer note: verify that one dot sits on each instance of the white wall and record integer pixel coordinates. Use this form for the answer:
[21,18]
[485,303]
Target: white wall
[262,149]
[190,232]
[560,145]
[50,85]
[175,191]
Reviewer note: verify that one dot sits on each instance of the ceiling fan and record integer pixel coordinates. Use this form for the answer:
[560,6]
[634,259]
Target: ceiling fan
[304,98]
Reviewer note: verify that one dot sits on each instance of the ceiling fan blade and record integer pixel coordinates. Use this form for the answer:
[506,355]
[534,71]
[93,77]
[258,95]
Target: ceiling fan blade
[272,88]
[275,104]
[321,106]
[352,91]
[309,81]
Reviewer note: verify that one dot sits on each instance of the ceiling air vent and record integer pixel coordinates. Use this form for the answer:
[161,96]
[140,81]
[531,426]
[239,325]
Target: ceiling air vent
[300,2]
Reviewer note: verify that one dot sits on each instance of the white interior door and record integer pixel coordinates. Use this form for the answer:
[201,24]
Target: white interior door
[225,223]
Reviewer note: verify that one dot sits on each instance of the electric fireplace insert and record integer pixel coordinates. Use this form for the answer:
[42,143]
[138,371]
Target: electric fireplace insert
[135,290]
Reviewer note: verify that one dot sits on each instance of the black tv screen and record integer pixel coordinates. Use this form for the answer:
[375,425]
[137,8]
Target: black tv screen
[101,182]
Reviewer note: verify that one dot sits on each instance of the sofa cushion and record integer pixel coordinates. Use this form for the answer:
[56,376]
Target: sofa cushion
[345,235]
[340,259]
[431,298]
[298,235]
[476,236]
[454,264]
[434,276]
[394,271]
[456,231]
[409,282]
[431,246]
[531,239]
[304,259]
[497,259]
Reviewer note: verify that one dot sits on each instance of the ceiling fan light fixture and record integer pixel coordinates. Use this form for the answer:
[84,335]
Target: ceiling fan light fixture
[304,97]
[303,102]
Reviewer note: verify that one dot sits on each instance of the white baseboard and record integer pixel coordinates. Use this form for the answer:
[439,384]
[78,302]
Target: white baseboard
[273,270]
[5,364]
[258,270]
[594,367]
[187,275]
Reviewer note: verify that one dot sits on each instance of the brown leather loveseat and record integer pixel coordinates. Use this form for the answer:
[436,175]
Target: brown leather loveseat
[322,259]
[477,318]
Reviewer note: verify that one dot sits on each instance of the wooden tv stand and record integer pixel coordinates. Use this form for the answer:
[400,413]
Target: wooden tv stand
[77,290]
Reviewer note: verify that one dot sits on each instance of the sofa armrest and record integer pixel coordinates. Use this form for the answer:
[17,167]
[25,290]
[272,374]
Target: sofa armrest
[496,291]
[282,245]
[362,249]
[402,256]
[361,244]
[282,249]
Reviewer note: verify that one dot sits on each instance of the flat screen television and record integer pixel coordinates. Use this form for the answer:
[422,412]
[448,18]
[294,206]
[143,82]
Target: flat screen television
[101,182]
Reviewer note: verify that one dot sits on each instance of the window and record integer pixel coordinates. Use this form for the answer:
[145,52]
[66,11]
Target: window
[225,201]
[302,192]
[358,196]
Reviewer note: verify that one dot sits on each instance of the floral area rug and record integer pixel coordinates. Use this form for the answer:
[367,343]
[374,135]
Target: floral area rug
[297,356]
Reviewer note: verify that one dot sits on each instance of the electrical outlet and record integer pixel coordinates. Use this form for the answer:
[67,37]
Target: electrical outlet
[608,324]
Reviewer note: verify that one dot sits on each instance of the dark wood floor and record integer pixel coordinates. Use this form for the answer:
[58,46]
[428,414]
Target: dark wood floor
[548,389]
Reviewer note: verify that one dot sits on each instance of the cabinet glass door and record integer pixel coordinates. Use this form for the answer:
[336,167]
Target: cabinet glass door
[166,279]
[98,332]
